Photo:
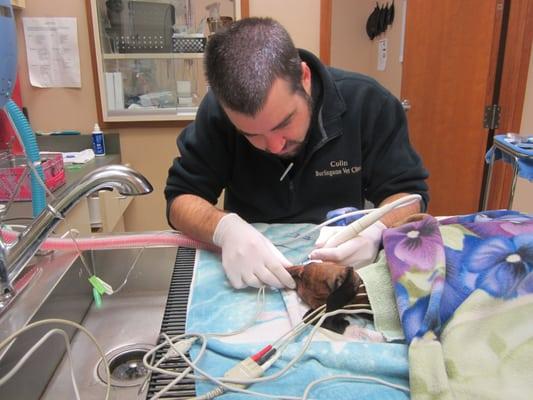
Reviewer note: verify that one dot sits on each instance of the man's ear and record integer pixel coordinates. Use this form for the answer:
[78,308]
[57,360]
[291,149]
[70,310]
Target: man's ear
[306,77]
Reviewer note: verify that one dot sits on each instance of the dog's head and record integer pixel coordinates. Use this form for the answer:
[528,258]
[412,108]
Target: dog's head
[317,281]
[334,285]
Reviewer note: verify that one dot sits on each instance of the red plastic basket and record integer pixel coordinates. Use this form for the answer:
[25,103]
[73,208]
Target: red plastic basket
[54,177]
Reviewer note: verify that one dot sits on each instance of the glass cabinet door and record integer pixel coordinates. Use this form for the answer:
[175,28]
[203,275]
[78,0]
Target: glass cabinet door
[149,55]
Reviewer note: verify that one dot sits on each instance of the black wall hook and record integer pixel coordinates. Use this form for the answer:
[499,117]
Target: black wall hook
[380,19]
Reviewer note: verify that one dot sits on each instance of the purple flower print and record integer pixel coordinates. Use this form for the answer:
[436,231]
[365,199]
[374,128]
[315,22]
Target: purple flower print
[419,244]
[526,285]
[504,265]
[518,227]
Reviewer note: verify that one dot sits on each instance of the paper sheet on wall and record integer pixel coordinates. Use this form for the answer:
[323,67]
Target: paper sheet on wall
[52,51]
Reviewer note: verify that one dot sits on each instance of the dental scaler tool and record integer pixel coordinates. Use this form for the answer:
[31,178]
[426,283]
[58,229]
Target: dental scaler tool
[356,227]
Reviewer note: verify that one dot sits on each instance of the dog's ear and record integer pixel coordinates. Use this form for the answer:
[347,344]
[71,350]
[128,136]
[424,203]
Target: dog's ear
[336,323]
[338,298]
[296,271]
[344,293]
[340,279]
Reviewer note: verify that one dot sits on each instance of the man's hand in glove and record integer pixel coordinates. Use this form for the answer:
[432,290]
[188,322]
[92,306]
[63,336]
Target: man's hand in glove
[357,252]
[248,257]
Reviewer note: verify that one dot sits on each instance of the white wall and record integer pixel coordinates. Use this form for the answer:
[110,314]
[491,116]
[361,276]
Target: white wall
[301,18]
[352,49]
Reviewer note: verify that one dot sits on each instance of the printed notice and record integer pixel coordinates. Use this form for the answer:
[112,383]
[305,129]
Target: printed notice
[52,50]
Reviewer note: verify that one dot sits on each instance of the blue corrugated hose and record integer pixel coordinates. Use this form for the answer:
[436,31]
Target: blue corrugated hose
[23,128]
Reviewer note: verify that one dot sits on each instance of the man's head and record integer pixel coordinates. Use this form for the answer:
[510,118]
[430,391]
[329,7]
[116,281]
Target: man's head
[256,73]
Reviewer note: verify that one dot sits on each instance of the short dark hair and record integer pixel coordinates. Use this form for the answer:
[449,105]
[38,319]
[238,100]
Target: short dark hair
[243,61]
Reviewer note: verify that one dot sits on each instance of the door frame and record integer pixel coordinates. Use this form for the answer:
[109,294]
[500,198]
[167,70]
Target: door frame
[326,15]
[518,43]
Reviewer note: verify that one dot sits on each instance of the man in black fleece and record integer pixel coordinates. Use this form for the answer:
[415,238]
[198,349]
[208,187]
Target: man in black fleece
[288,139]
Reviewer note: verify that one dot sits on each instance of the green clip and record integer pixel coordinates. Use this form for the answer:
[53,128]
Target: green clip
[97,298]
[101,285]
[97,284]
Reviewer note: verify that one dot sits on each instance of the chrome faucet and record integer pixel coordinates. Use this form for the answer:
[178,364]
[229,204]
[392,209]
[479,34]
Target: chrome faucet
[14,256]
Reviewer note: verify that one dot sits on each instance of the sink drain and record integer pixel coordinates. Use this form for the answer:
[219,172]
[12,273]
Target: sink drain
[126,365]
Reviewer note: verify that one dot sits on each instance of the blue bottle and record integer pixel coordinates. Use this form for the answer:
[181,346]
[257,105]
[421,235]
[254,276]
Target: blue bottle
[98,141]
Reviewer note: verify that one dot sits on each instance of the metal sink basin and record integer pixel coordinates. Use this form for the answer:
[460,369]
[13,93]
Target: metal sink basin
[126,325]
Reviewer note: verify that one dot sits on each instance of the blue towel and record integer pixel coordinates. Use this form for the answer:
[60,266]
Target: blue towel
[216,307]
[524,162]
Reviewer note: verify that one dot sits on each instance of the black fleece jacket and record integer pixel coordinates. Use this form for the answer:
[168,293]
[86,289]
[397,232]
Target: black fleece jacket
[357,148]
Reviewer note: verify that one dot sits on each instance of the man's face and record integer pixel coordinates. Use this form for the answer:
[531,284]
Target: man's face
[281,126]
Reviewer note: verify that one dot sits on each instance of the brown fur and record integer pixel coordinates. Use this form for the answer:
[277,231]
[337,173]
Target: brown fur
[316,281]
[331,284]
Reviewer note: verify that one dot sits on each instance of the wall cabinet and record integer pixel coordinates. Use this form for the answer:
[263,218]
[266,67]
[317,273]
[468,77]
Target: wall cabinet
[148,56]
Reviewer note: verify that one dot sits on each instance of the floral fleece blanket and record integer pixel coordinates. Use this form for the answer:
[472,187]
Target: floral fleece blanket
[464,291]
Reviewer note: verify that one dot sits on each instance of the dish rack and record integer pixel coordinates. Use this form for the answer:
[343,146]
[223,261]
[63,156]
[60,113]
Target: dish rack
[13,167]
[188,43]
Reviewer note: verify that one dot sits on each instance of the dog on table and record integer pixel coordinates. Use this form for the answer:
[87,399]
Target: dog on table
[336,286]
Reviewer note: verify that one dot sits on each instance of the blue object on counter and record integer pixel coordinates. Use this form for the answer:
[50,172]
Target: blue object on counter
[98,141]
[341,211]
[513,149]
[59,133]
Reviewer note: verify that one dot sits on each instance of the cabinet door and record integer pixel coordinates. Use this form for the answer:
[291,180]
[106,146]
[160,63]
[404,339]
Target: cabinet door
[148,56]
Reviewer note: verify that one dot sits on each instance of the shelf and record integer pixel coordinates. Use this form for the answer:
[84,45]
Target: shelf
[18,3]
[154,114]
[160,56]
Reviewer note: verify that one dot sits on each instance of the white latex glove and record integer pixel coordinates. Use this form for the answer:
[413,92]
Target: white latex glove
[248,257]
[357,252]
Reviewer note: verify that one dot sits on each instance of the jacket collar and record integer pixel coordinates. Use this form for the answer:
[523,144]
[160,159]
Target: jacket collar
[331,104]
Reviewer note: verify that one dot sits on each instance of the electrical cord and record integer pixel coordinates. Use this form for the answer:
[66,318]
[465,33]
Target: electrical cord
[13,336]
[260,303]
[320,318]
[225,384]
[181,375]
[353,378]
[206,376]
[137,257]
[34,348]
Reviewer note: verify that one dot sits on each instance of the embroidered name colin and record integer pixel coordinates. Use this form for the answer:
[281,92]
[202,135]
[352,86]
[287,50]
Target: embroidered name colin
[338,167]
